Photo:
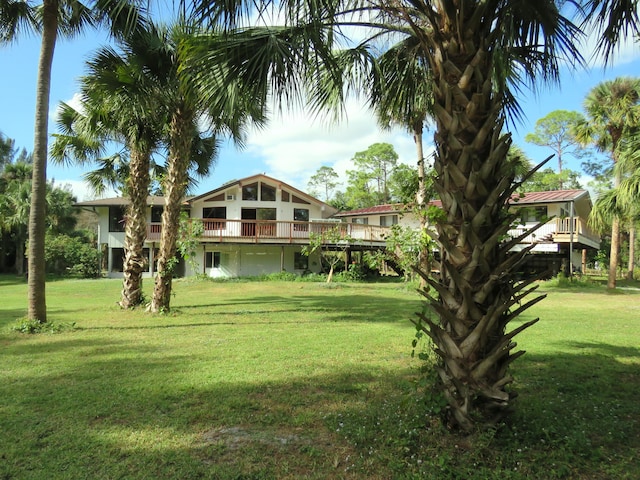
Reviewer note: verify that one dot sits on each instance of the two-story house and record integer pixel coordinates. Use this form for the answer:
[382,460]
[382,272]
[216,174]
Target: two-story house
[564,212]
[252,226]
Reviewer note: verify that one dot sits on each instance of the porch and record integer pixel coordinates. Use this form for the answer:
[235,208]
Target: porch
[560,230]
[281,232]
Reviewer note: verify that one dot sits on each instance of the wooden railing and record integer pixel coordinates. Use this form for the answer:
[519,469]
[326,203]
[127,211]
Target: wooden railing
[223,230]
[555,227]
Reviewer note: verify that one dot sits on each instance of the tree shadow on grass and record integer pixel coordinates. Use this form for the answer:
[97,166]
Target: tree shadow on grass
[123,409]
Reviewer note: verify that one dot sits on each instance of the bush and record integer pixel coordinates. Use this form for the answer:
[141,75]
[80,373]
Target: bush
[32,327]
[73,256]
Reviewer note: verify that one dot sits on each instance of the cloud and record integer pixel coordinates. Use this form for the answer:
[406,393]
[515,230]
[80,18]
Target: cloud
[82,191]
[296,144]
[75,102]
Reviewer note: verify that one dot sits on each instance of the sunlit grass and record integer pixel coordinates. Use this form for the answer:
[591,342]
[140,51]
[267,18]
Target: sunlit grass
[301,380]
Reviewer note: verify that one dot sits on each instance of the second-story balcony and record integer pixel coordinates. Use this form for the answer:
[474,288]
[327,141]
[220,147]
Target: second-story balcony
[560,231]
[274,231]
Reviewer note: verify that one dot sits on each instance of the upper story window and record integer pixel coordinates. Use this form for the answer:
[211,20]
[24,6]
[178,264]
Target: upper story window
[250,192]
[156,214]
[214,212]
[388,220]
[267,193]
[116,218]
[534,214]
[360,220]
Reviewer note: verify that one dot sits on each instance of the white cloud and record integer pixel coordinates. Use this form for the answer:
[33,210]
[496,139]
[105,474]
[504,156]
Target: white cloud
[82,191]
[74,102]
[295,144]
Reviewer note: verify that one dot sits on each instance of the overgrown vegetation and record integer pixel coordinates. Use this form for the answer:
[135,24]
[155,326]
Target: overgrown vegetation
[295,380]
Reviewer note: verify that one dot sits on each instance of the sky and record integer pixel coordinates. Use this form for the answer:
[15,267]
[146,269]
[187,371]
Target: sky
[295,144]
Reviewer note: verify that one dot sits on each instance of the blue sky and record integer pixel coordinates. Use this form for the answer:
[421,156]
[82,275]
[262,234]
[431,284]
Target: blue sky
[294,145]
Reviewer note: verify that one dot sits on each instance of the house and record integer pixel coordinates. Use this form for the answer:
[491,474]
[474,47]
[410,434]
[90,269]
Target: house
[252,226]
[564,212]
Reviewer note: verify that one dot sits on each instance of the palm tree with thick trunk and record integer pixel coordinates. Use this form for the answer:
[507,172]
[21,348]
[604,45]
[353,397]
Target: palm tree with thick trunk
[52,17]
[612,114]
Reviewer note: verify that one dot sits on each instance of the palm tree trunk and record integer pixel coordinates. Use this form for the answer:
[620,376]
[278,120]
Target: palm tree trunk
[632,251]
[614,250]
[476,294]
[421,200]
[181,135]
[135,229]
[37,306]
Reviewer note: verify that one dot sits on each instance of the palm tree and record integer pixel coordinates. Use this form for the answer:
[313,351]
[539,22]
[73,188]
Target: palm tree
[14,207]
[116,105]
[184,105]
[50,18]
[612,113]
[479,55]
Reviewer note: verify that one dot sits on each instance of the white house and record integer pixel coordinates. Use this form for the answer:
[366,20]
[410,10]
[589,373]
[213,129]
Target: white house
[252,226]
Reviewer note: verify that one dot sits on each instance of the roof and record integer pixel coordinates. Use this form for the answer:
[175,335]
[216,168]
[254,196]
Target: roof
[258,177]
[529,198]
[553,196]
[117,201]
[375,210]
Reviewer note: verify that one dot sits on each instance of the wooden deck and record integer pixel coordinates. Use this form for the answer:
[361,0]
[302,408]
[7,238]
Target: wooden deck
[280,232]
[560,230]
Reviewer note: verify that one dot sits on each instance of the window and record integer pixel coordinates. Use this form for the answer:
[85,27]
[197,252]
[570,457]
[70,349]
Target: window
[156,214]
[300,215]
[267,193]
[117,259]
[212,260]
[214,213]
[250,192]
[360,220]
[296,199]
[300,261]
[266,213]
[116,219]
[388,220]
[534,214]
[285,196]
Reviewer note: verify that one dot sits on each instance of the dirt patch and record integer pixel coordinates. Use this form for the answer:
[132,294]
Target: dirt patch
[238,437]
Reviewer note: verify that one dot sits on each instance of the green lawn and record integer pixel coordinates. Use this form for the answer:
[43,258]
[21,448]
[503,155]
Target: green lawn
[249,380]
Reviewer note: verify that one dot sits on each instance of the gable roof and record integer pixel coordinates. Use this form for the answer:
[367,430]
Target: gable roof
[119,201]
[261,177]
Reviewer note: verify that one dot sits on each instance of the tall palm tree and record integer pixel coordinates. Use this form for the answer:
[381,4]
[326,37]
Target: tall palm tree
[116,107]
[223,110]
[479,55]
[51,18]
[612,114]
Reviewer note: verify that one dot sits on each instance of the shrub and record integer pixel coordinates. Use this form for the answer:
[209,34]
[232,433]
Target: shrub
[65,255]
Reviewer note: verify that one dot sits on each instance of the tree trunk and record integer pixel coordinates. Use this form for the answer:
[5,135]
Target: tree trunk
[476,294]
[135,229]
[632,251]
[181,136]
[421,201]
[37,309]
[614,250]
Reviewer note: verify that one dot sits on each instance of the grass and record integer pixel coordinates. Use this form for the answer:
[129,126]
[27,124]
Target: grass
[284,380]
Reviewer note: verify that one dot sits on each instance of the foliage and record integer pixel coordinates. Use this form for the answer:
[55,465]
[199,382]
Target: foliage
[325,180]
[72,255]
[332,243]
[189,236]
[32,327]
[547,179]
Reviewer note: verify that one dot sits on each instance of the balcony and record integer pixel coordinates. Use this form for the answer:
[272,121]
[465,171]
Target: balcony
[559,230]
[274,231]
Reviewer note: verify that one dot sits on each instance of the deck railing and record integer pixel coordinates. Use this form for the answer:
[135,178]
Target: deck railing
[554,228]
[223,230]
